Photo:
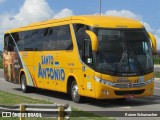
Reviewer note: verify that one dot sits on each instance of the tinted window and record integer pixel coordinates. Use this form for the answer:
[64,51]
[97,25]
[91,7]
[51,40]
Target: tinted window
[28,40]
[16,39]
[8,43]
[80,36]
[63,37]
[50,39]
[6,38]
[38,39]
[53,38]
[20,42]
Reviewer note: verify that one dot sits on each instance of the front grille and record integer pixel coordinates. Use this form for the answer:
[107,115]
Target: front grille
[139,84]
[128,85]
[131,92]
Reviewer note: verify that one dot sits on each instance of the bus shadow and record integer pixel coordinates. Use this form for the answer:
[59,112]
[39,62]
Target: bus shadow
[110,103]
[49,93]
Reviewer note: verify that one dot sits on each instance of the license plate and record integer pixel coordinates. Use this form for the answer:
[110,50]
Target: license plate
[129,96]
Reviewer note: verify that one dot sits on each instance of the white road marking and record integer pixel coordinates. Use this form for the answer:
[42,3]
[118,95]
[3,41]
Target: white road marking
[157,79]
[156,88]
[127,107]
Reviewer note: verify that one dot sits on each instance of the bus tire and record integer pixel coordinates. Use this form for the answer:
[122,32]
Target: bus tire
[24,87]
[74,93]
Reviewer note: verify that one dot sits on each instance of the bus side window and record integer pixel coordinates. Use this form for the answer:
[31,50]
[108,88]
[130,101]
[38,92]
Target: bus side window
[64,41]
[6,37]
[20,42]
[68,45]
[8,43]
[51,39]
[26,40]
[16,38]
[80,33]
[80,36]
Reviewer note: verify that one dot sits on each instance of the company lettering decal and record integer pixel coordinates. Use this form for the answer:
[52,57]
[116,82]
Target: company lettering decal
[46,69]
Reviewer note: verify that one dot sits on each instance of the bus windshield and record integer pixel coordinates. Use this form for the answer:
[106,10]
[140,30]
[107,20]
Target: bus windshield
[124,51]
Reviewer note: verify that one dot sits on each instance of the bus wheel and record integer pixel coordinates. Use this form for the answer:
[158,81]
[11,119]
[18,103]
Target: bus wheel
[74,92]
[24,86]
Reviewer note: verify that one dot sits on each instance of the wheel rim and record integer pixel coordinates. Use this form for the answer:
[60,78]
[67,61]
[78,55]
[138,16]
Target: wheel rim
[23,83]
[75,92]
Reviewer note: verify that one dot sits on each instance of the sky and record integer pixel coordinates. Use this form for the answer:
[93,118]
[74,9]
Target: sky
[16,13]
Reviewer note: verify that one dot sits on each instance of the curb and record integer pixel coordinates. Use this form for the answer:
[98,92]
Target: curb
[156,66]
[157,79]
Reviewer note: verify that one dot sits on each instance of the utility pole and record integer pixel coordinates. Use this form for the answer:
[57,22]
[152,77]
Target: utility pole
[100,7]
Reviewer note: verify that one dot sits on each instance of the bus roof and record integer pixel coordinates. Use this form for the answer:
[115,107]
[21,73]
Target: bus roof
[91,20]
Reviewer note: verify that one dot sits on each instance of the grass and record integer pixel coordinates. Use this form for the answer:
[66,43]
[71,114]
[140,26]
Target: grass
[157,74]
[13,99]
[1,63]
[156,58]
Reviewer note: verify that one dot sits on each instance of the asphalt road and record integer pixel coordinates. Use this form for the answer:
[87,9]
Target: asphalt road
[136,104]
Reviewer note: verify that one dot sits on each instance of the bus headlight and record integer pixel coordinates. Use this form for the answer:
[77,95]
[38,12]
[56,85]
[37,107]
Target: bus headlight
[105,82]
[150,81]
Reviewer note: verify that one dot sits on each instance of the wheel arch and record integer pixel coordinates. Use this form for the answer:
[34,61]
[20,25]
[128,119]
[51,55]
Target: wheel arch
[20,74]
[70,79]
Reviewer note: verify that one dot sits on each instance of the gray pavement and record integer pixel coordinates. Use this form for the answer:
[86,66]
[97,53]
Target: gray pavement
[157,68]
[136,104]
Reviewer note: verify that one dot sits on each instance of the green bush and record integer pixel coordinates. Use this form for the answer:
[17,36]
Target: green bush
[157,58]
[1,63]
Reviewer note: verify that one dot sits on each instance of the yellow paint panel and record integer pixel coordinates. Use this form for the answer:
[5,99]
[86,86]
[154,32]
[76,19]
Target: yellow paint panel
[95,21]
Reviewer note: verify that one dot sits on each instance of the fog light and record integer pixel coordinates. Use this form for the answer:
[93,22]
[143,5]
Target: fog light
[105,92]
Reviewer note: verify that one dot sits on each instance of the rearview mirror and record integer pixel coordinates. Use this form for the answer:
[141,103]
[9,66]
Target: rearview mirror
[94,40]
[153,40]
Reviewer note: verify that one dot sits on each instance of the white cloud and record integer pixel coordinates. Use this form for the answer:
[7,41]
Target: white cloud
[148,27]
[31,11]
[63,13]
[123,13]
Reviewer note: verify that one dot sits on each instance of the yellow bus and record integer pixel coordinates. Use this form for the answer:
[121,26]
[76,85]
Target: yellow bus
[102,57]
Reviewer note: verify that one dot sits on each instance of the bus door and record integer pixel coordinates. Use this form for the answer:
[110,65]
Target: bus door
[88,71]
[89,84]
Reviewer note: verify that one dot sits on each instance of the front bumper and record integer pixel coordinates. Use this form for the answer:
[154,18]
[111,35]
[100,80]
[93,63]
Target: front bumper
[110,92]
